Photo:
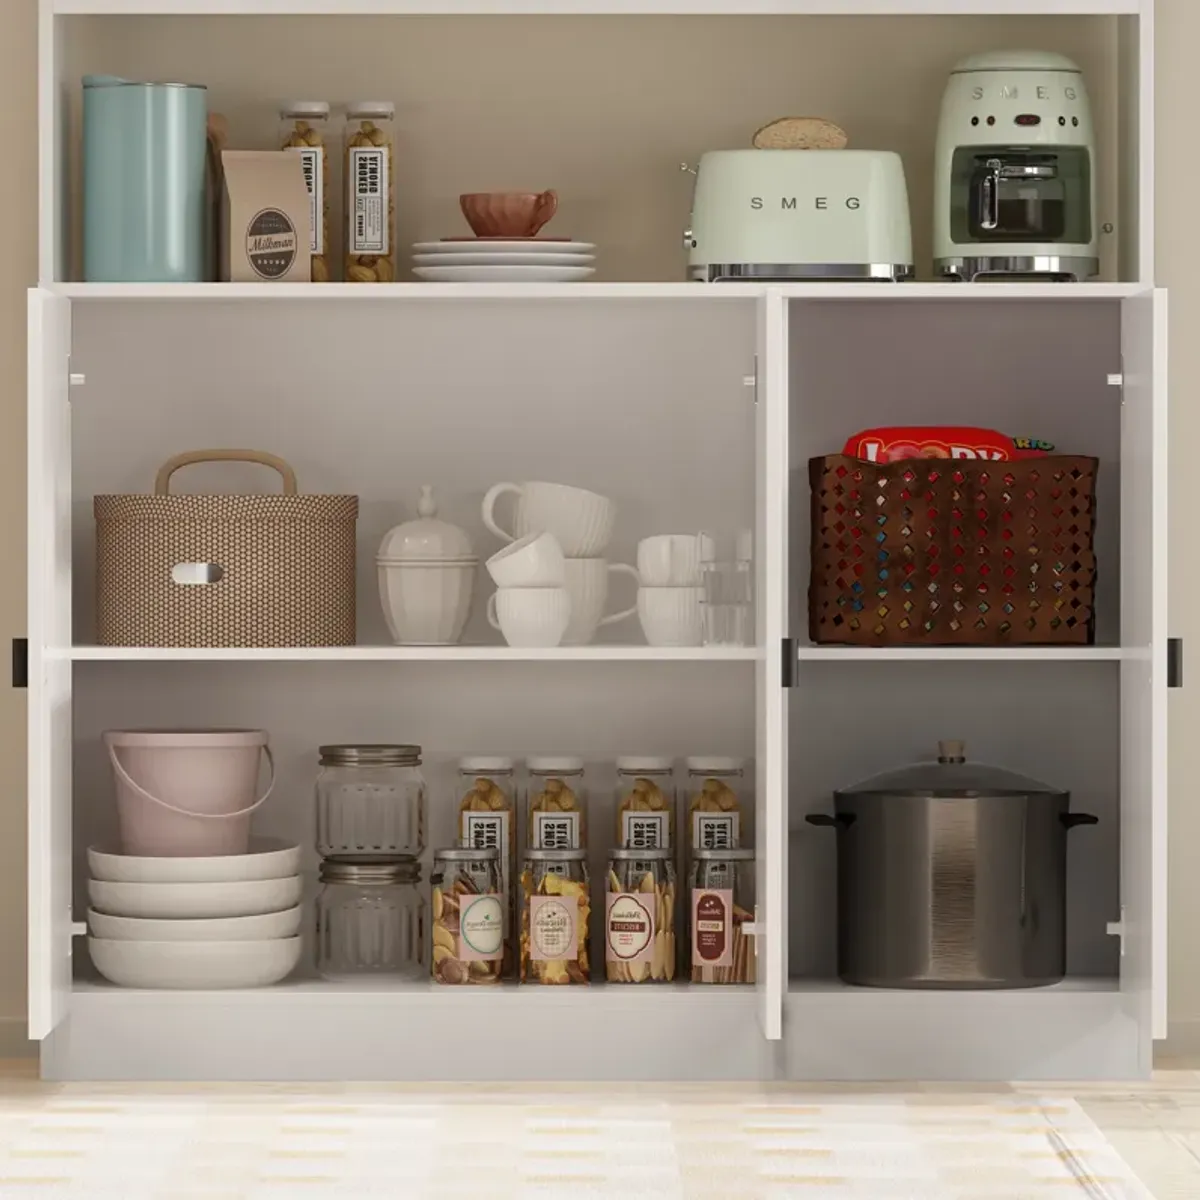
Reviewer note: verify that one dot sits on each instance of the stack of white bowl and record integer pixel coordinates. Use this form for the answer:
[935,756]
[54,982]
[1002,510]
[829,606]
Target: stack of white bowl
[670,598]
[221,921]
[553,576]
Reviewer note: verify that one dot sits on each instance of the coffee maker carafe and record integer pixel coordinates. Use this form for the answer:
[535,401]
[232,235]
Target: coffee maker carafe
[1014,193]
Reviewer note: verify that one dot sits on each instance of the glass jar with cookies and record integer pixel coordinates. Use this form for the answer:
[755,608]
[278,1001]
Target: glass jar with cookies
[718,803]
[645,799]
[487,818]
[639,917]
[556,803]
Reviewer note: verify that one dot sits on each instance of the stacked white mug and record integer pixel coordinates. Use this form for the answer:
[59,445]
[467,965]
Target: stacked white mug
[530,606]
[670,568]
[580,523]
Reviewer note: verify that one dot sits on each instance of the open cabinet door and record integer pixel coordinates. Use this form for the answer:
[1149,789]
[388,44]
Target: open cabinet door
[50,927]
[770,555]
[1144,663]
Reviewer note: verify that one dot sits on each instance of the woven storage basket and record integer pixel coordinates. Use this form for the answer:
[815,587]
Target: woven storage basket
[286,564]
[940,552]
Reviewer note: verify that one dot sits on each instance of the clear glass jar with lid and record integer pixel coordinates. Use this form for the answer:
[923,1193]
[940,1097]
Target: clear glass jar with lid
[721,905]
[468,915]
[718,803]
[556,909]
[645,802]
[487,816]
[370,192]
[556,803]
[639,917]
[304,128]
[370,920]
[371,803]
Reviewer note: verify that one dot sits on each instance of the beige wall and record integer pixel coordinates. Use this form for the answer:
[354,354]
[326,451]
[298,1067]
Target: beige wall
[1178,267]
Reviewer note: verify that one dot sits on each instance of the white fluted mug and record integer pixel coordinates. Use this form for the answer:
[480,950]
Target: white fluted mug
[531,618]
[671,616]
[673,559]
[587,584]
[580,520]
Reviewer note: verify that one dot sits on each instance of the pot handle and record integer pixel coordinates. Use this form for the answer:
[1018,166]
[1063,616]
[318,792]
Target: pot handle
[1070,820]
[839,821]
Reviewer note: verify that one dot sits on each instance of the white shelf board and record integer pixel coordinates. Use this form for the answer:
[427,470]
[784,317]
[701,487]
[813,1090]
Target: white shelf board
[877,654]
[565,654]
[593,291]
[595,997]
[598,7]
[1074,985]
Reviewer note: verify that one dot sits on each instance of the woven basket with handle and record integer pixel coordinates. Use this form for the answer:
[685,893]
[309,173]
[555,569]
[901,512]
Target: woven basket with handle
[225,570]
[952,552]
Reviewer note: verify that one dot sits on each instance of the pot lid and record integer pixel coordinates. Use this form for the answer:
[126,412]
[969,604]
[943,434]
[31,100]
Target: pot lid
[950,775]
[427,539]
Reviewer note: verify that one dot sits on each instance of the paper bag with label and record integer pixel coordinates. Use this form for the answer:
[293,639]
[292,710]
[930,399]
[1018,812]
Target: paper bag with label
[265,234]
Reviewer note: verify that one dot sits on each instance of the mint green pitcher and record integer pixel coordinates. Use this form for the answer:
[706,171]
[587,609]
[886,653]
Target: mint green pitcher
[144,211]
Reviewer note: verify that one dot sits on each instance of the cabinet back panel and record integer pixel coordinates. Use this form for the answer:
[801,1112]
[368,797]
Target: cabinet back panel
[1055,722]
[602,108]
[644,402]
[1029,369]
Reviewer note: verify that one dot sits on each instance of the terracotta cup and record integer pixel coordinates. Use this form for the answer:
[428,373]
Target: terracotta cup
[508,214]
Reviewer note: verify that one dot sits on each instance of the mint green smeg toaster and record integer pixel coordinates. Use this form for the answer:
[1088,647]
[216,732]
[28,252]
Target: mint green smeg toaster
[800,214]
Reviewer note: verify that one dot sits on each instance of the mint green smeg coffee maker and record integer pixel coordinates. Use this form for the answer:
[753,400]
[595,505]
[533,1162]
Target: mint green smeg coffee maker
[144,205]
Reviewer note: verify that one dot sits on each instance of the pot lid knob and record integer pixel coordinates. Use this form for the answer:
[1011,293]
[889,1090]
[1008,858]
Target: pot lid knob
[952,752]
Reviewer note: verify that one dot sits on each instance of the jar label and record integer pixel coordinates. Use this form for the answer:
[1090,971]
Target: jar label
[553,936]
[712,927]
[480,928]
[489,831]
[368,200]
[629,927]
[714,831]
[312,160]
[645,831]
[556,831]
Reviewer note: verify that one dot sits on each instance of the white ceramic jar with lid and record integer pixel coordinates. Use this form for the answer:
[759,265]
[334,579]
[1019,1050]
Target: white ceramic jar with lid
[426,573]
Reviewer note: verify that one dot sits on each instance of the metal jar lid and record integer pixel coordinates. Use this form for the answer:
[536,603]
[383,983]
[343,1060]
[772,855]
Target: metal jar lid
[403,870]
[469,854]
[370,756]
[646,855]
[556,856]
[740,855]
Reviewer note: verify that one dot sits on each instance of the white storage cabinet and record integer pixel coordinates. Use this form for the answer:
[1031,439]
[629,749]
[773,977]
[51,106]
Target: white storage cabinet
[693,407]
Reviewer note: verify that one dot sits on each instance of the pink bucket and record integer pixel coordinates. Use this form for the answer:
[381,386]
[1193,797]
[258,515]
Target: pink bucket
[187,794]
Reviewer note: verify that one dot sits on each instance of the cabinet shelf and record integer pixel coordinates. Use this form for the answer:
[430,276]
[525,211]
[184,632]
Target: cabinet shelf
[580,292]
[877,654]
[510,654]
[741,8]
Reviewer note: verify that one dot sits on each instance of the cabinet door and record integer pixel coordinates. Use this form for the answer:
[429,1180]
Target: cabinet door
[50,928]
[771,402]
[1144,661]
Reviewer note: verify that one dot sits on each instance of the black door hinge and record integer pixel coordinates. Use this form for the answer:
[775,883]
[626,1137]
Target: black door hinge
[20,662]
[788,675]
[1174,662]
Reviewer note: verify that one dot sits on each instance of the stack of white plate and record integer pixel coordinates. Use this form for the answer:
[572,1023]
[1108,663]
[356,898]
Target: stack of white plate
[231,921]
[503,260]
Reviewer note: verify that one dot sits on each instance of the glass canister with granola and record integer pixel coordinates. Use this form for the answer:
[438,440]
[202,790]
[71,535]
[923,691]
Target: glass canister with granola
[555,910]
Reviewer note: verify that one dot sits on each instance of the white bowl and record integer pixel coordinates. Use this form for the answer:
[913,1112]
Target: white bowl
[195,964]
[221,929]
[426,604]
[240,898]
[269,858]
